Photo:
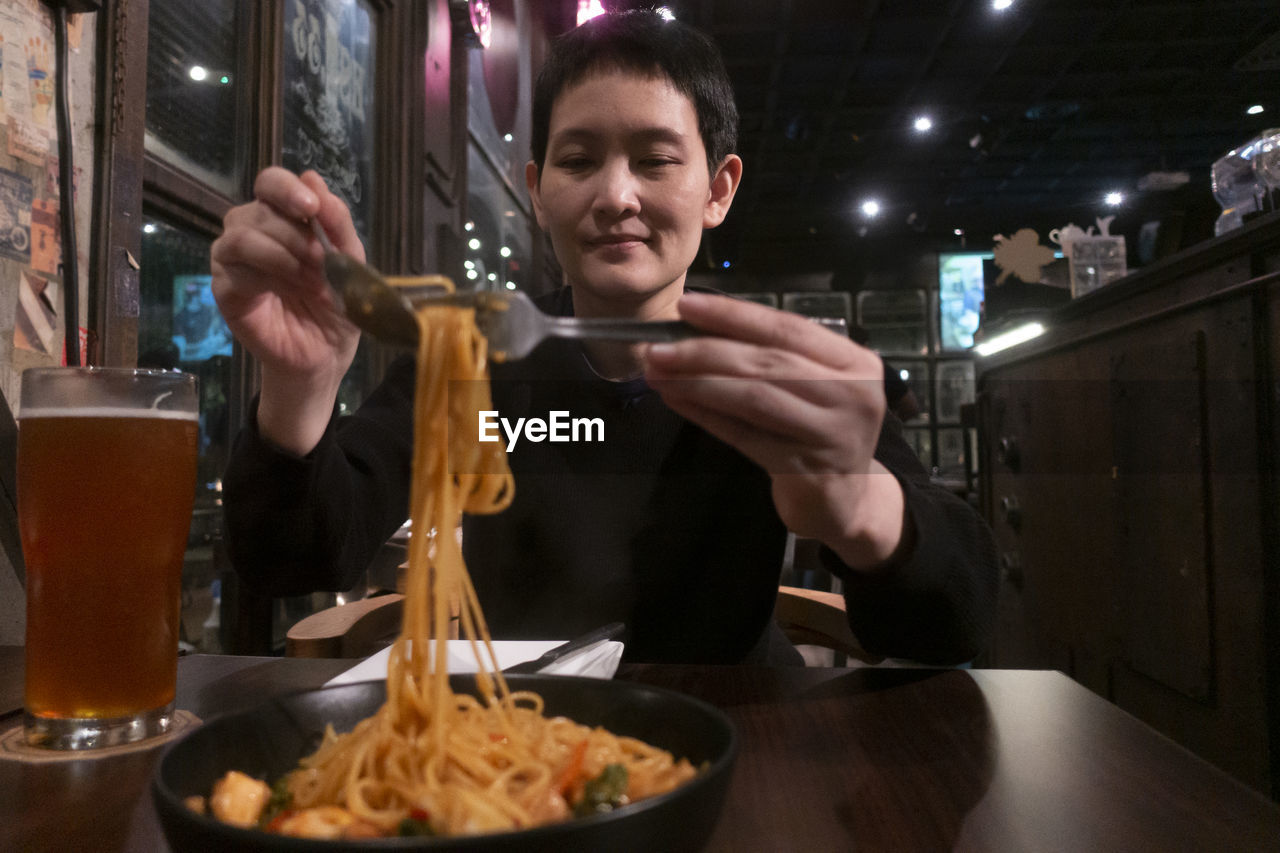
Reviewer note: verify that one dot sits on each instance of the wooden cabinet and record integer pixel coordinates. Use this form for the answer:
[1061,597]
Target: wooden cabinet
[1128,462]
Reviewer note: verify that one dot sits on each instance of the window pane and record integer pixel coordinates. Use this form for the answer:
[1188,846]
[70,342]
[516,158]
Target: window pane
[179,326]
[498,251]
[894,320]
[328,98]
[195,90]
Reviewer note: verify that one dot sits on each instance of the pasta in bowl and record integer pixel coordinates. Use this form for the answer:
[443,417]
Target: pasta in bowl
[451,760]
[268,741]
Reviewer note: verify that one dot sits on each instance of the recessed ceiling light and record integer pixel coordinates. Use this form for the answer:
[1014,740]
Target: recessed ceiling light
[871,208]
[1256,109]
[1001,5]
[197,73]
[923,124]
[1115,199]
[588,9]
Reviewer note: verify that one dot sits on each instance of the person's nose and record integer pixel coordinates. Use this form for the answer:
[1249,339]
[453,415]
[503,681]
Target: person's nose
[617,190]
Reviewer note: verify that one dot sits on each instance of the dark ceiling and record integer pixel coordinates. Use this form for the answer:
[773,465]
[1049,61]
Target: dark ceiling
[1038,111]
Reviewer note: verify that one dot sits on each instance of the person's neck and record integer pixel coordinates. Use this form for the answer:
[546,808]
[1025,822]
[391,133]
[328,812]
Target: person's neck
[619,362]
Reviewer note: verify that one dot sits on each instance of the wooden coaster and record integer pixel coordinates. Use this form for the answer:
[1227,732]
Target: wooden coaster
[14,746]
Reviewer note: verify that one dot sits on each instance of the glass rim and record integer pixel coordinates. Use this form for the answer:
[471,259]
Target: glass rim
[117,371]
[65,388]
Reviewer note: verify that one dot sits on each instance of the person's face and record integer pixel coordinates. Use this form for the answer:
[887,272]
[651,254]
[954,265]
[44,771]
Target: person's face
[625,193]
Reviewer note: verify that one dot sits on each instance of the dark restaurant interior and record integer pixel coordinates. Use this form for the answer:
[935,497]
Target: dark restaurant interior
[935,173]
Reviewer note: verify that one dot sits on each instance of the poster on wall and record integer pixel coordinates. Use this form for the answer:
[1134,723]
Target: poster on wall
[328,98]
[16,195]
[35,326]
[46,240]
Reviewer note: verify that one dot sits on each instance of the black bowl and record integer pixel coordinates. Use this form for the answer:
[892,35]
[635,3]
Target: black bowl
[268,741]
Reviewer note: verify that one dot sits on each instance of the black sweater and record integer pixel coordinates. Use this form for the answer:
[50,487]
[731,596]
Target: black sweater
[659,525]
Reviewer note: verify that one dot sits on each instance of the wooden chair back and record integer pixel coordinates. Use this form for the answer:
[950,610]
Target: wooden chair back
[359,628]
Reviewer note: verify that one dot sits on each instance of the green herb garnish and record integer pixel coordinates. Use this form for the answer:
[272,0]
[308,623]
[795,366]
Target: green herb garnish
[603,793]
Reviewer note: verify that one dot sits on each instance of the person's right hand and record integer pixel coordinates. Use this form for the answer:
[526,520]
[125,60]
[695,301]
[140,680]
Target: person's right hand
[268,280]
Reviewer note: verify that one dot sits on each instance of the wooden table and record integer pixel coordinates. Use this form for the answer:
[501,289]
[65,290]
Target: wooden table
[831,759]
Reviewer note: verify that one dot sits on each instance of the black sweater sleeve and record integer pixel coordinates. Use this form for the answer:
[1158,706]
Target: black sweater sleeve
[937,603]
[299,524]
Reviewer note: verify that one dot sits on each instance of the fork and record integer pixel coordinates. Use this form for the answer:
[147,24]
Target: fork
[514,325]
[510,320]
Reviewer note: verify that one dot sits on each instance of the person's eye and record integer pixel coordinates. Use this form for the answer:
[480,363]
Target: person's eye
[658,161]
[573,162]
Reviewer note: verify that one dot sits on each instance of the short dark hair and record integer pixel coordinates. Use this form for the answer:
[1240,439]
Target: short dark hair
[642,41]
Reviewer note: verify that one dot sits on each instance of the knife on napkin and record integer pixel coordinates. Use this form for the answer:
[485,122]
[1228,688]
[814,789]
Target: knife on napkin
[599,635]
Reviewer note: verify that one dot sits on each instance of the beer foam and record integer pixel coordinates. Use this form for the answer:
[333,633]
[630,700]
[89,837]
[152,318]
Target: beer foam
[106,412]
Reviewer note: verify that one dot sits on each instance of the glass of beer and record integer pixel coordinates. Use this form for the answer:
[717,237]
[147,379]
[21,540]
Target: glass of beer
[106,481]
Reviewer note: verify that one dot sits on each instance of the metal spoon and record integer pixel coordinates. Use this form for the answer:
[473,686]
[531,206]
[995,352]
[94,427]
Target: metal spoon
[366,297]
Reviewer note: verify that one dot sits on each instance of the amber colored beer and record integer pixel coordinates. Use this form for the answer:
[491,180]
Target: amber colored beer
[105,499]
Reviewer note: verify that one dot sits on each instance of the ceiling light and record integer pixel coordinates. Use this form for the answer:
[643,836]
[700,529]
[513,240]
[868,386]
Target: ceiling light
[871,208]
[505,251]
[923,124]
[474,244]
[959,232]
[667,14]
[1115,199]
[1013,337]
[1256,109]
[588,9]
[198,73]
[1001,5]
[149,228]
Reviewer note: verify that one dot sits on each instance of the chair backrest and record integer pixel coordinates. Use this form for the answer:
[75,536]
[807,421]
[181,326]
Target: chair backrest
[812,617]
[360,628]
[353,630]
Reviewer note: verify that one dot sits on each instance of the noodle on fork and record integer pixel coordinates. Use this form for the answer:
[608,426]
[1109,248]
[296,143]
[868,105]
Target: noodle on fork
[454,763]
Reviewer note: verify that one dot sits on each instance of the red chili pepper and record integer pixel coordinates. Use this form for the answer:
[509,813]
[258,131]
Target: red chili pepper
[572,770]
[276,822]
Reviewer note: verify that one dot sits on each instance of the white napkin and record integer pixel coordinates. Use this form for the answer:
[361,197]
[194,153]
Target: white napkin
[595,661]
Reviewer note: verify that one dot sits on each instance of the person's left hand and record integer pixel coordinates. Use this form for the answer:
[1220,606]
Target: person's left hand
[801,401]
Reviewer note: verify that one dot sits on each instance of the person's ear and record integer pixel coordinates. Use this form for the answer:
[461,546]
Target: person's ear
[535,194]
[724,183]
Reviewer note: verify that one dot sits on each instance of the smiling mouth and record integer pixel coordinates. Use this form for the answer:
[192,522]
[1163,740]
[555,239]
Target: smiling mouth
[609,242]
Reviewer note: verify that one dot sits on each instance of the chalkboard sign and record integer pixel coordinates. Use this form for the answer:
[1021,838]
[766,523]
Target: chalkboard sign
[328,98]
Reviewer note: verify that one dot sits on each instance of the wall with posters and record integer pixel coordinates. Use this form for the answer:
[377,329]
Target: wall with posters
[31,297]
